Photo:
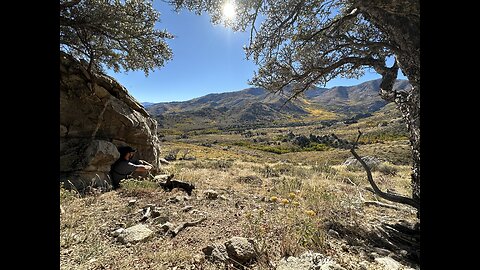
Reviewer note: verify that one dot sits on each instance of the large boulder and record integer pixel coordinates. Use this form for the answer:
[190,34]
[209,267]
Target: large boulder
[372,162]
[96,116]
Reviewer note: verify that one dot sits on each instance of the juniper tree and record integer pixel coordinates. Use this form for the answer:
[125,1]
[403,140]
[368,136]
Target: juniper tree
[113,33]
[302,43]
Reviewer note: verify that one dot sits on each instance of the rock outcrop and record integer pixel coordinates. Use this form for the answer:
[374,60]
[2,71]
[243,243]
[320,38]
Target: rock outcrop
[95,118]
[308,260]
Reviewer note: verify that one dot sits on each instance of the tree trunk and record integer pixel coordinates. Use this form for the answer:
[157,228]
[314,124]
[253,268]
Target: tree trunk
[399,20]
[409,105]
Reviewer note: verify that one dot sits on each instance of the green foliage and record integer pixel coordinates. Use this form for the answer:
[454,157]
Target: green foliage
[273,149]
[68,195]
[141,188]
[310,234]
[206,131]
[266,148]
[282,148]
[216,164]
[297,231]
[170,131]
[316,147]
[116,34]
[144,184]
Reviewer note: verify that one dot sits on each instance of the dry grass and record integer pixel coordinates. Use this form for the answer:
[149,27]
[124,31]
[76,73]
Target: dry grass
[286,202]
[307,198]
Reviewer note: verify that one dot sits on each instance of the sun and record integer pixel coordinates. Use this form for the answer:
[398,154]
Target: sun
[228,11]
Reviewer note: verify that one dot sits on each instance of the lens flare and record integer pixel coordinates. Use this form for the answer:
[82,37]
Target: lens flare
[228,11]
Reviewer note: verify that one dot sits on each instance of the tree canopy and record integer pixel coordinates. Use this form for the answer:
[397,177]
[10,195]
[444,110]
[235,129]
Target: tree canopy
[305,42]
[114,34]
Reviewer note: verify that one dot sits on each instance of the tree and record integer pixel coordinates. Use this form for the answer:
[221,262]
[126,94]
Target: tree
[113,33]
[302,43]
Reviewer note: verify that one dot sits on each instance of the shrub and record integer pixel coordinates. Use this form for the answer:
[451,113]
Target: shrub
[387,168]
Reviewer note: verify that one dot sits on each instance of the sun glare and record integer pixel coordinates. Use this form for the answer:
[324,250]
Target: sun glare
[228,11]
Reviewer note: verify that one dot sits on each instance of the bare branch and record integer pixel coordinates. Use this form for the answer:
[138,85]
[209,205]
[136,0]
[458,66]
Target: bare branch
[386,196]
[335,23]
[252,28]
[184,225]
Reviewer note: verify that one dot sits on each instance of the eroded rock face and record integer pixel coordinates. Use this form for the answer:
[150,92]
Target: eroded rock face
[95,118]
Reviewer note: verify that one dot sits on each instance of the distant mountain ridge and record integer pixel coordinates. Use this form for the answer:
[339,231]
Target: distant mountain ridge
[147,104]
[256,106]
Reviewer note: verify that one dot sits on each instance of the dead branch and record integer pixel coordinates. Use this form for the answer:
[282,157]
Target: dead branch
[375,203]
[356,186]
[184,225]
[384,195]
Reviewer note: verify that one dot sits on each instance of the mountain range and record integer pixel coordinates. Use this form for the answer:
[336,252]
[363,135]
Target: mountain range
[257,106]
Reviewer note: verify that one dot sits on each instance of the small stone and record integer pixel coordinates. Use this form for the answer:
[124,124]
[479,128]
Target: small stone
[150,205]
[328,224]
[134,234]
[389,263]
[160,220]
[187,208]
[333,233]
[198,258]
[132,202]
[155,213]
[162,177]
[210,194]
[241,249]
[215,252]
[117,232]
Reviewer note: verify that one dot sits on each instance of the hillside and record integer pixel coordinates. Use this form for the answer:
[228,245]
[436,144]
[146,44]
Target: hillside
[261,186]
[255,107]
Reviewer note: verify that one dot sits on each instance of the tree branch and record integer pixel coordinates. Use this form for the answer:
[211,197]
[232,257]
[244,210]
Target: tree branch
[184,225]
[252,28]
[386,196]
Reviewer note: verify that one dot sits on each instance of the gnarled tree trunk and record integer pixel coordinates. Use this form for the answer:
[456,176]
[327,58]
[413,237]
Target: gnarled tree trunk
[400,21]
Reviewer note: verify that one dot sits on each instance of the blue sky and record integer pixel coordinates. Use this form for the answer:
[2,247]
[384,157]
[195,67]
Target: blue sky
[207,59]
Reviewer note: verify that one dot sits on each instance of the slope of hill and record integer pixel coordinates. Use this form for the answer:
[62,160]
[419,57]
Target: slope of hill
[361,98]
[257,107]
[284,204]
